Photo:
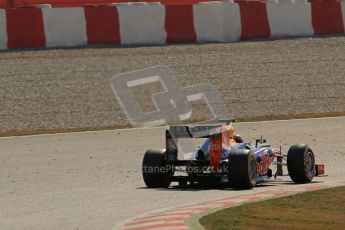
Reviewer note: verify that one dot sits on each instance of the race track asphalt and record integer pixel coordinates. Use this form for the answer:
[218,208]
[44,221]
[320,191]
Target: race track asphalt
[92,180]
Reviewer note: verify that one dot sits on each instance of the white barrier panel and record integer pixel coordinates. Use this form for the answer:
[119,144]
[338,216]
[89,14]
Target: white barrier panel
[217,22]
[142,24]
[64,26]
[3,30]
[289,18]
[343,11]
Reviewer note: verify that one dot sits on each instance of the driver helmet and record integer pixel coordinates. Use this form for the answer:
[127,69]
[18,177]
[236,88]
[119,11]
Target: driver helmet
[228,134]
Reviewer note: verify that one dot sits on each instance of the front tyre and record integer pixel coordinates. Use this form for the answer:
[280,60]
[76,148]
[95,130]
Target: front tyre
[242,169]
[156,173]
[301,164]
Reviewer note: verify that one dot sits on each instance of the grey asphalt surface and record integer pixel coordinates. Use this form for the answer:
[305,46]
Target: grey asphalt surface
[70,88]
[92,180]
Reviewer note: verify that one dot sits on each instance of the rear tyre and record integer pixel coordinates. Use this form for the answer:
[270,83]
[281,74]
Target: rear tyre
[156,173]
[301,164]
[242,169]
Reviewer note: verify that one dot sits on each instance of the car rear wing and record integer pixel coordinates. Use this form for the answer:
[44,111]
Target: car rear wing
[214,132]
[197,131]
[226,120]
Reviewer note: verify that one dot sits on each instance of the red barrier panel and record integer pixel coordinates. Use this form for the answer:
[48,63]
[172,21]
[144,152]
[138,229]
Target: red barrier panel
[4,4]
[327,17]
[102,25]
[179,24]
[25,28]
[254,19]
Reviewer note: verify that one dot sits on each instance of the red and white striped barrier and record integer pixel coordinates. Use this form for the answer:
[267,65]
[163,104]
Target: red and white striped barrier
[153,23]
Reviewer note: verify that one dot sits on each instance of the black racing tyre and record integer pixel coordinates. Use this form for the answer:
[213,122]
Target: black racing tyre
[301,163]
[242,169]
[156,173]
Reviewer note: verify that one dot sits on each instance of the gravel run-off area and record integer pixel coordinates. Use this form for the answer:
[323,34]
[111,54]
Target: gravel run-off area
[61,89]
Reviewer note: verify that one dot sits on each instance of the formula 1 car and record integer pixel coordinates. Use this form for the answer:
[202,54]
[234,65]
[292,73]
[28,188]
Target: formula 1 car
[239,164]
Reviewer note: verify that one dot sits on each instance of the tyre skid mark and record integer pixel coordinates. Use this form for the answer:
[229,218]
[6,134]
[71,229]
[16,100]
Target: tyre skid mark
[157,226]
[166,214]
[160,219]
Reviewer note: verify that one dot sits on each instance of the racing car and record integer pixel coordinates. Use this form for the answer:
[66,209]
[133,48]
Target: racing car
[224,158]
